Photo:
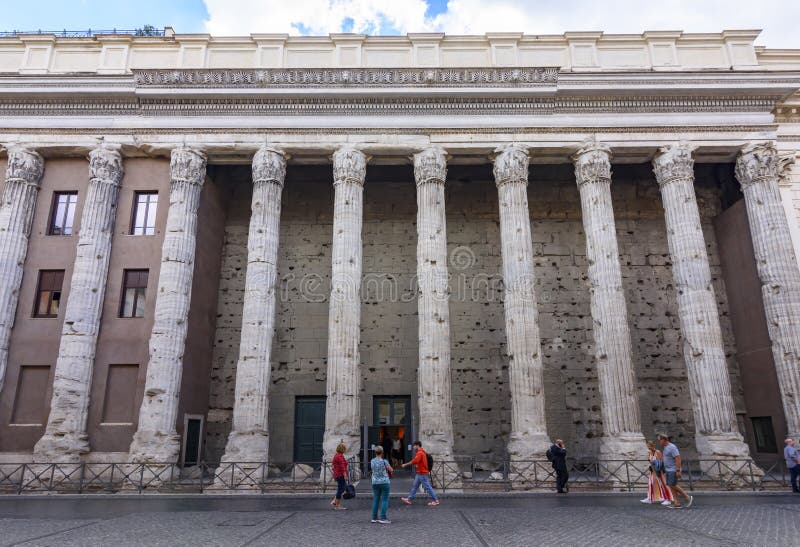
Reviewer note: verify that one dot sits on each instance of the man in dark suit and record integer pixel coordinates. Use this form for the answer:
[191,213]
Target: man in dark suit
[559,459]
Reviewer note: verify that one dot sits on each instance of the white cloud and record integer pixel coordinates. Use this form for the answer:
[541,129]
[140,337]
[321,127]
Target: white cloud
[320,17]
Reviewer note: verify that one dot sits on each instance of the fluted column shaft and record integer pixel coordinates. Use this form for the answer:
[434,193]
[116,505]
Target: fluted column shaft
[717,433]
[249,437]
[528,438]
[65,438]
[23,175]
[343,405]
[156,439]
[758,170]
[619,403]
[433,373]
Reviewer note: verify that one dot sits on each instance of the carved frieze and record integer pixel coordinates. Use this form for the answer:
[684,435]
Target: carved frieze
[358,77]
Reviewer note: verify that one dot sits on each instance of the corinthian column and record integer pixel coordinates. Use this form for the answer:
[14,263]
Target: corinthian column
[24,172]
[758,171]
[433,373]
[249,438]
[156,439]
[622,438]
[65,438]
[716,432]
[528,439]
[342,411]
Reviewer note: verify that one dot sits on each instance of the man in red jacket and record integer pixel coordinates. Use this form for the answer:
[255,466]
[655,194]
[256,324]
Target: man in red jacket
[421,461]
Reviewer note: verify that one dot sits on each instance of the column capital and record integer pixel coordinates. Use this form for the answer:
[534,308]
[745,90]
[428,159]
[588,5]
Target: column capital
[188,164]
[511,164]
[349,165]
[105,163]
[785,166]
[430,166]
[758,162]
[269,165]
[592,163]
[673,163]
[24,164]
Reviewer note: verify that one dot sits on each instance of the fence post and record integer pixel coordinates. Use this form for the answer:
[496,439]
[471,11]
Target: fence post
[691,482]
[141,477]
[22,478]
[111,479]
[81,477]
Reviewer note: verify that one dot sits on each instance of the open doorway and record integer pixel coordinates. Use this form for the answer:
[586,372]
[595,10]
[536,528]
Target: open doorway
[391,427]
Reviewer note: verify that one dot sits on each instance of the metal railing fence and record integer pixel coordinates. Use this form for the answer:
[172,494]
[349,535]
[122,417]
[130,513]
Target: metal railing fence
[88,33]
[461,474]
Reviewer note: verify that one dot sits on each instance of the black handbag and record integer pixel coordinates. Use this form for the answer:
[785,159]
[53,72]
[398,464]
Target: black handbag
[349,492]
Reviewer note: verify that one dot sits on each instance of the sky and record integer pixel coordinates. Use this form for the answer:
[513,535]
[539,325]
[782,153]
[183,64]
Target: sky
[777,18]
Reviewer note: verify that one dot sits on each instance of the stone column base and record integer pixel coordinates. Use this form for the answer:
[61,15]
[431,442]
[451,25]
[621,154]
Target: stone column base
[731,459]
[331,441]
[52,448]
[250,447]
[528,446]
[155,447]
[631,446]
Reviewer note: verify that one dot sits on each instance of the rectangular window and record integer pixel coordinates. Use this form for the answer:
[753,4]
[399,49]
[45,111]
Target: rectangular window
[134,287]
[48,293]
[143,222]
[764,434]
[62,213]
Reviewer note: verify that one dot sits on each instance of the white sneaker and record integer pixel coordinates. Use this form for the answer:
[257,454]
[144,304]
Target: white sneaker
[666,502]
[689,503]
[384,521]
[645,500]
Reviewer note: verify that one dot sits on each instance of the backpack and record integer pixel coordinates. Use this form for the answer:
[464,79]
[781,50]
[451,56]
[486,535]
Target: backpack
[430,462]
[549,456]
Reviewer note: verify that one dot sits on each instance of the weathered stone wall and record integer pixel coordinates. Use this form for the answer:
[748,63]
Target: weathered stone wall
[389,350]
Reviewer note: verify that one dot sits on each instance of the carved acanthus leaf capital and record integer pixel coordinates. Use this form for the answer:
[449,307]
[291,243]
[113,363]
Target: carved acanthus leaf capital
[188,164]
[24,164]
[758,162]
[785,163]
[592,163]
[269,165]
[511,164]
[105,163]
[349,166]
[674,163]
[430,166]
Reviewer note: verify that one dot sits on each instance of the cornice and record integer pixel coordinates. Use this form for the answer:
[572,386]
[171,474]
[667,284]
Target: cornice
[34,106]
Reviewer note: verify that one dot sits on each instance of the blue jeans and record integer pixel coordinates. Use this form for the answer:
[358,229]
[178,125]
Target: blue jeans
[795,473]
[424,481]
[341,483]
[380,495]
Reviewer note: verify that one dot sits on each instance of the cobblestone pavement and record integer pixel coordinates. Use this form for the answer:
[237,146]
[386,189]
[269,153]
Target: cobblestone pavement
[537,519]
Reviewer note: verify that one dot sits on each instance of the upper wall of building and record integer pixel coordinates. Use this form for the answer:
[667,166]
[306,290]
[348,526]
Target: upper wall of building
[573,51]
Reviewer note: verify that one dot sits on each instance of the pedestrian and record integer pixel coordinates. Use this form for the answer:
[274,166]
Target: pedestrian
[657,491]
[558,456]
[672,468]
[340,475]
[397,446]
[422,478]
[792,463]
[381,471]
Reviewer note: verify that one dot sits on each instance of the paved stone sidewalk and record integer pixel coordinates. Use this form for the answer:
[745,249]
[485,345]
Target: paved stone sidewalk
[540,519]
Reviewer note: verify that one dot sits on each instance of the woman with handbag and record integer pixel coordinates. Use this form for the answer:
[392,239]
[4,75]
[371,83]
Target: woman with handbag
[381,472]
[340,475]
[657,491]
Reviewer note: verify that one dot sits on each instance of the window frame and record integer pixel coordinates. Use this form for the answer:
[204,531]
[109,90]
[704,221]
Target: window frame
[124,293]
[135,209]
[54,209]
[37,295]
[770,445]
